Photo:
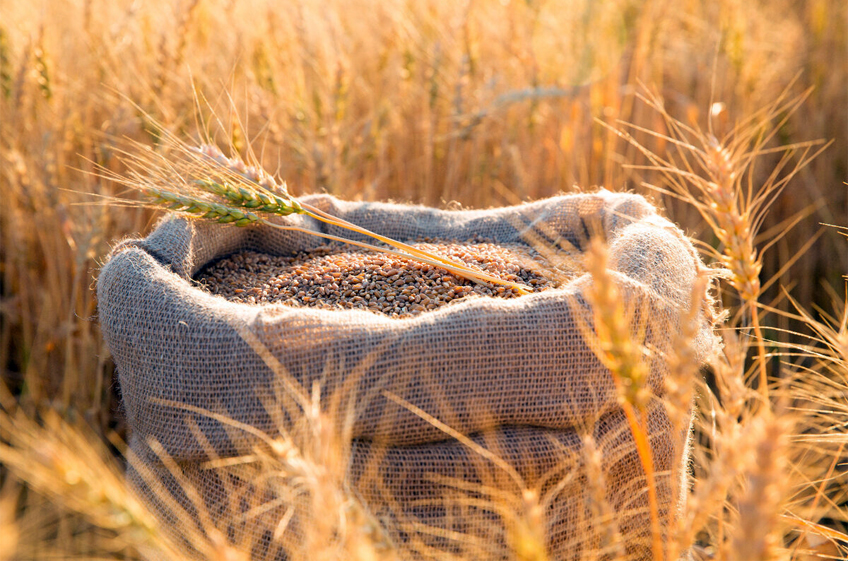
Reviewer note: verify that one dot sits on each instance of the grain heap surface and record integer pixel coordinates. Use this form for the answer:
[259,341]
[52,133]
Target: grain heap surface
[341,276]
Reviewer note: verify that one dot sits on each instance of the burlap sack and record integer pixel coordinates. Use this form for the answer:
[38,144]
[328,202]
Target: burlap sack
[515,375]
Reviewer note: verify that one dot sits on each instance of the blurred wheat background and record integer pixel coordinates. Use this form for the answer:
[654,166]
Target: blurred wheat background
[474,103]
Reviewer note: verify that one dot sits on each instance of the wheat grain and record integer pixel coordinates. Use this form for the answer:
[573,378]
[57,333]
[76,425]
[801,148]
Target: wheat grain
[336,276]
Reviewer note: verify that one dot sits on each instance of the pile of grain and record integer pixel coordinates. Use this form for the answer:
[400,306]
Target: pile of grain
[343,276]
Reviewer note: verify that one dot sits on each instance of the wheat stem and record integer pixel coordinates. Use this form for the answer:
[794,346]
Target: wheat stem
[639,430]
[225,214]
[270,201]
[414,253]
[462,272]
[623,356]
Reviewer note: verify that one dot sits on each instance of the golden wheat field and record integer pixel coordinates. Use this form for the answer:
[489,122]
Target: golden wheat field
[730,116]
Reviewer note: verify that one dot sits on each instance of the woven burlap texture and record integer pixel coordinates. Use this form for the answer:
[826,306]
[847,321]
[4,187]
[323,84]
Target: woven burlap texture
[515,375]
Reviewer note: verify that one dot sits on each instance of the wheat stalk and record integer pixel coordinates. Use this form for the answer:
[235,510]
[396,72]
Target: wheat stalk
[202,181]
[623,355]
[270,188]
[715,176]
[757,534]
[60,462]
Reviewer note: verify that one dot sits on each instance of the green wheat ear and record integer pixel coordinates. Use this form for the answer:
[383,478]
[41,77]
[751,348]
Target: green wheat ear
[208,210]
[263,202]
[226,190]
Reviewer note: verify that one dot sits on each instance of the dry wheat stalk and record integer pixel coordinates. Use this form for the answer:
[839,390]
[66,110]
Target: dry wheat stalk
[59,462]
[715,176]
[624,356]
[757,534]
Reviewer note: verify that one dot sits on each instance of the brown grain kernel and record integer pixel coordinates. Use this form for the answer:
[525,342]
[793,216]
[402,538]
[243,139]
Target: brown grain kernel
[336,276]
